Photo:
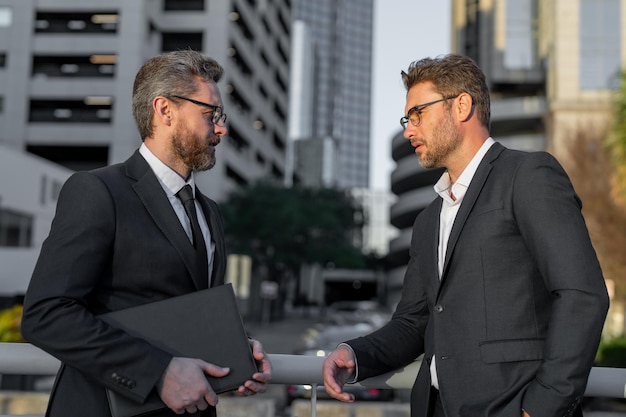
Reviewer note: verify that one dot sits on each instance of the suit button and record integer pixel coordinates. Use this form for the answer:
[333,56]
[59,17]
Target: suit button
[439,308]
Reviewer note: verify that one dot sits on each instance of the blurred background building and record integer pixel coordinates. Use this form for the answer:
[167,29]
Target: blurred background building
[552,67]
[340,34]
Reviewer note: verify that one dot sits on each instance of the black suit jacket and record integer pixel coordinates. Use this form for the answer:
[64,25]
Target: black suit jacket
[115,242]
[516,318]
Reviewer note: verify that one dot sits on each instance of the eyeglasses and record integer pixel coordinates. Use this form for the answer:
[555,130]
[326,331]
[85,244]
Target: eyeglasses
[415,113]
[217,117]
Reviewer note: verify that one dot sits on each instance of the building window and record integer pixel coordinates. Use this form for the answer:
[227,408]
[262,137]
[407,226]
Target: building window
[182,5]
[240,22]
[236,139]
[102,65]
[6,17]
[173,41]
[3,59]
[89,110]
[93,22]
[600,44]
[16,229]
[75,158]
[518,53]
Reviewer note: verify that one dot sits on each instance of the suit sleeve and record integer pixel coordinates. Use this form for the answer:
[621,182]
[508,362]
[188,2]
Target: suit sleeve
[548,214]
[401,340]
[57,315]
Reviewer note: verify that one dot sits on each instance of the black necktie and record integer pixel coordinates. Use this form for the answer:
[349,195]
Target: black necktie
[186,197]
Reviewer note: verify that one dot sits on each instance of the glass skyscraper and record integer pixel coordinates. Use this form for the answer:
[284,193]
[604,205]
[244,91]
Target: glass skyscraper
[342,40]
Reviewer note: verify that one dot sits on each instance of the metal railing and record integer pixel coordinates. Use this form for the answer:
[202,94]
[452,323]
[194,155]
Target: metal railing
[26,359]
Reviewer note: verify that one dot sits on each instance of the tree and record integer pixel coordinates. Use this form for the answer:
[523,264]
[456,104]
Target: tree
[284,228]
[591,169]
[617,144]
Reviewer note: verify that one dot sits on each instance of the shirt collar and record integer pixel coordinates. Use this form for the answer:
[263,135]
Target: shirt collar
[172,182]
[442,187]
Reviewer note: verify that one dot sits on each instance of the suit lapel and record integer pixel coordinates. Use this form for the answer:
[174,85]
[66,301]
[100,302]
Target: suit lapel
[217,236]
[427,248]
[154,199]
[476,185]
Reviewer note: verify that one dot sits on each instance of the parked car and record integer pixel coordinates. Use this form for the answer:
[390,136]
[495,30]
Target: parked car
[359,311]
[323,340]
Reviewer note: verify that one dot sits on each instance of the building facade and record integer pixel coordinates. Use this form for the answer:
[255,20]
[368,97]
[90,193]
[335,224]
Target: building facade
[341,38]
[67,68]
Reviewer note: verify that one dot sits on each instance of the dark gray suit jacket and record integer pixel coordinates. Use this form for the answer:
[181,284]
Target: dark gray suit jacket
[115,242]
[516,319]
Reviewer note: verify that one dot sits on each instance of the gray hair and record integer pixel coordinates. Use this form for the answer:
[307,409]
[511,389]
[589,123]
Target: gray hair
[171,73]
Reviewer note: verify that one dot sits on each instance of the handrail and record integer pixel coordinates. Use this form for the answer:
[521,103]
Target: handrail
[26,359]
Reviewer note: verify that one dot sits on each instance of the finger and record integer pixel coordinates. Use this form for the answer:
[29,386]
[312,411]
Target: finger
[255,387]
[202,405]
[336,391]
[243,391]
[214,370]
[191,409]
[257,350]
[265,367]
[211,397]
[262,377]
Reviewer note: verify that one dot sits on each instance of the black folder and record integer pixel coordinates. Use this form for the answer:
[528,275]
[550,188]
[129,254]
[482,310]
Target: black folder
[205,324]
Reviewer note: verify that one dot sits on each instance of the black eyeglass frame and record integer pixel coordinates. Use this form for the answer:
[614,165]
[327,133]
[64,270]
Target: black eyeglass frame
[218,117]
[404,120]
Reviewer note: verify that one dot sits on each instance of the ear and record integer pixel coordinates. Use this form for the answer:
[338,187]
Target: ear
[162,110]
[465,107]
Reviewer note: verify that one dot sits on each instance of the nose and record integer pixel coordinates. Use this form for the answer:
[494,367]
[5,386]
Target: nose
[409,132]
[220,130]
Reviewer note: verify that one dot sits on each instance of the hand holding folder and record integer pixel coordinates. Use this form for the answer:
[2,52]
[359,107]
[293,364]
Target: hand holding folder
[205,325]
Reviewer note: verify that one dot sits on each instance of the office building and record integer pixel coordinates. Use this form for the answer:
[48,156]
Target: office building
[66,73]
[340,33]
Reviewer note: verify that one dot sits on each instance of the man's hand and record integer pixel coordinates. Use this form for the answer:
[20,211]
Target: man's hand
[259,381]
[184,387]
[337,369]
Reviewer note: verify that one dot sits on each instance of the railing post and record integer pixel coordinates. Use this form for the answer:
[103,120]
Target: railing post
[313,399]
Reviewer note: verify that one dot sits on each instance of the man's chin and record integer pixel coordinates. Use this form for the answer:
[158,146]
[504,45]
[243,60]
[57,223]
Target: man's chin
[207,166]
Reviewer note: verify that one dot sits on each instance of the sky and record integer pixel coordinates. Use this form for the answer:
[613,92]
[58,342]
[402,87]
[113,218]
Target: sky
[404,31]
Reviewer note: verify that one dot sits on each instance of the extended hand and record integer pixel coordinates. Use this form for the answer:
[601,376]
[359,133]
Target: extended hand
[337,369]
[184,387]
[259,381]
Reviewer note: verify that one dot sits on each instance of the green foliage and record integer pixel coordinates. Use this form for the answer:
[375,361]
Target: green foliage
[10,322]
[287,227]
[612,353]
